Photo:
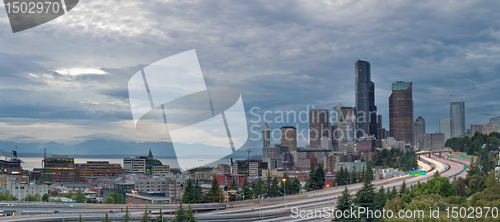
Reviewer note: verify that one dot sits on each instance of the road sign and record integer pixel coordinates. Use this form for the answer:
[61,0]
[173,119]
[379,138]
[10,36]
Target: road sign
[412,173]
[466,167]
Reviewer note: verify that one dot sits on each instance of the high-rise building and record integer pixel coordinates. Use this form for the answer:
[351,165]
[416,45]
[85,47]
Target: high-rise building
[271,156]
[419,131]
[144,165]
[59,168]
[365,100]
[266,136]
[9,163]
[445,127]
[289,137]
[380,132]
[348,124]
[401,112]
[251,168]
[337,118]
[434,141]
[457,118]
[96,170]
[319,127]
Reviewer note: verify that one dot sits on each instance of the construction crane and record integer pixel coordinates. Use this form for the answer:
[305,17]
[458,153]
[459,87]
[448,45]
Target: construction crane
[248,153]
[44,155]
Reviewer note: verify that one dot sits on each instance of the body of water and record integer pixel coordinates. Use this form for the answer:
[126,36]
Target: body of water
[36,162]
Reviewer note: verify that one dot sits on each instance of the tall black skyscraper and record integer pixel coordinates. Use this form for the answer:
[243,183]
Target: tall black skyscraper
[365,100]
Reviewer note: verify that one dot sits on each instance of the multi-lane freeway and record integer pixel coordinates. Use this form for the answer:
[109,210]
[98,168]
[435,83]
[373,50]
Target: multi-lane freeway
[268,209]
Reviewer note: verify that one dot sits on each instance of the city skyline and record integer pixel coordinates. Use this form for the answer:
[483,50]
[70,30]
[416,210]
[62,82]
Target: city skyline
[72,87]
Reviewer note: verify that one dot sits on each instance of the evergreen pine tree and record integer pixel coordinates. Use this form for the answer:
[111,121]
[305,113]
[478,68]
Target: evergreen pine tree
[197,194]
[160,217]
[339,178]
[353,177]
[344,203]
[275,189]
[288,184]
[311,182]
[295,188]
[126,217]
[268,184]
[80,218]
[233,184]
[319,177]
[380,199]
[365,197]
[190,215]
[394,193]
[247,193]
[188,196]
[403,189]
[105,219]
[215,193]
[362,176]
[180,215]
[368,173]
[146,217]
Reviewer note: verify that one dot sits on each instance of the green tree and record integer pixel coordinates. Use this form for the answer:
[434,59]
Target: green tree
[115,198]
[295,186]
[402,189]
[353,176]
[7,196]
[275,189]
[258,187]
[180,215]
[492,191]
[146,217]
[233,184]
[79,196]
[247,192]
[35,197]
[80,218]
[287,183]
[344,203]
[45,197]
[198,194]
[368,174]
[311,182]
[126,217]
[190,215]
[365,197]
[319,177]
[189,193]
[340,179]
[380,199]
[435,185]
[215,192]
[394,193]
[160,217]
[106,218]
[268,184]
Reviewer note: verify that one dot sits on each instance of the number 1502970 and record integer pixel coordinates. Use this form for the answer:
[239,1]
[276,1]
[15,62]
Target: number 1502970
[33,7]
[472,212]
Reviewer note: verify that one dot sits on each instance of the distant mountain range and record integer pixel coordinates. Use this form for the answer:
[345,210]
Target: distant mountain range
[116,149]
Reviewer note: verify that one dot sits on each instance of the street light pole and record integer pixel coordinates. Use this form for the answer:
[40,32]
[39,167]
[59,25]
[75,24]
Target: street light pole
[133,202]
[284,191]
[113,207]
[262,208]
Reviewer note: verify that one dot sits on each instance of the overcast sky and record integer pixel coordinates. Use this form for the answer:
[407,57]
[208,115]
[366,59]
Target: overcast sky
[66,80]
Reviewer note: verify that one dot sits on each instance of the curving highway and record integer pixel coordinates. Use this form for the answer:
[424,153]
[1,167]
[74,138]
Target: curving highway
[268,209]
